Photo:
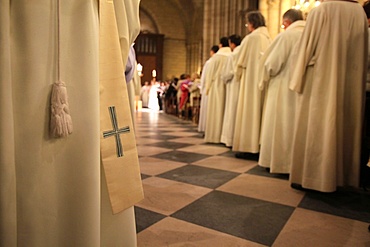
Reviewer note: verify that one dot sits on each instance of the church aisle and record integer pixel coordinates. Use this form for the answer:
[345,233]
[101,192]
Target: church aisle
[198,194]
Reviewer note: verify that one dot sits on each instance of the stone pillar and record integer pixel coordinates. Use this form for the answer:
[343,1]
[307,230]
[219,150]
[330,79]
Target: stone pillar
[222,18]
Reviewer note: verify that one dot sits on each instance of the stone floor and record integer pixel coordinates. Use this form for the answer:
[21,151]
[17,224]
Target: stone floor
[199,194]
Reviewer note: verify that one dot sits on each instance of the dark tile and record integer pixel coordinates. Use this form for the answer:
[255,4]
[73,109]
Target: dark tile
[180,156]
[145,218]
[143,176]
[230,154]
[261,171]
[244,217]
[198,135]
[214,144]
[350,204]
[202,176]
[247,156]
[170,145]
[192,129]
[161,137]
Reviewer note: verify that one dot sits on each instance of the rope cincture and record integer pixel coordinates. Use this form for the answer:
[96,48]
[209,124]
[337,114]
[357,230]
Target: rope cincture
[60,118]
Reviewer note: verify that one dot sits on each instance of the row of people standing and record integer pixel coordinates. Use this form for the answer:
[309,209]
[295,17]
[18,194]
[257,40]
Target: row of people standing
[152,95]
[300,97]
[176,93]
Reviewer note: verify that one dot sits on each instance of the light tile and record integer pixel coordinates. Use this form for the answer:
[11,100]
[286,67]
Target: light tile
[144,129]
[310,228]
[145,134]
[152,166]
[173,129]
[227,164]
[174,232]
[205,149]
[166,197]
[273,190]
[145,141]
[148,150]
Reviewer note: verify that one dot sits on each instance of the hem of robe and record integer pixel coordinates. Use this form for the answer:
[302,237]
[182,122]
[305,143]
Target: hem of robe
[246,150]
[274,166]
[208,141]
[211,139]
[315,184]
[227,141]
[274,169]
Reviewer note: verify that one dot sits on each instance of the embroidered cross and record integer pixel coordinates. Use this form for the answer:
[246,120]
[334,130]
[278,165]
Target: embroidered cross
[116,131]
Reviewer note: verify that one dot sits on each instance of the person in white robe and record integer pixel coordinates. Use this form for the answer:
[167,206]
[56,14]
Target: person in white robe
[329,78]
[232,91]
[204,99]
[144,94]
[216,92]
[53,191]
[153,96]
[279,104]
[249,110]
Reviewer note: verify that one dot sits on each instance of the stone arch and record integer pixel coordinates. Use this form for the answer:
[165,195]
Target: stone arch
[148,24]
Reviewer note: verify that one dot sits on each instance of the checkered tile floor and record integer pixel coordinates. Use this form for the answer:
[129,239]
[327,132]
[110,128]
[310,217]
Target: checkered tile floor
[198,194]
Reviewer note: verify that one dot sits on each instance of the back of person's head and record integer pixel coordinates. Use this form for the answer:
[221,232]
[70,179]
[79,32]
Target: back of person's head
[256,19]
[293,15]
[215,48]
[224,41]
[183,77]
[235,39]
[367,9]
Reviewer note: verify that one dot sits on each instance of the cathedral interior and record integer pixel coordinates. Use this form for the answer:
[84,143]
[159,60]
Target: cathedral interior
[185,30]
[199,194]
[98,167]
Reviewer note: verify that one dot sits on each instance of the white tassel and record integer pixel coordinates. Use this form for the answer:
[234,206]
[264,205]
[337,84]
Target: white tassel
[60,119]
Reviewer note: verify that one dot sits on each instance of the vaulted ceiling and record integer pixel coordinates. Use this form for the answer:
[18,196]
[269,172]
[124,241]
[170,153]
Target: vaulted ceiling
[189,12]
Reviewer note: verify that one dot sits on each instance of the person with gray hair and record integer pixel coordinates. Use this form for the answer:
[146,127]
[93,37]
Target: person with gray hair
[249,109]
[290,16]
[279,105]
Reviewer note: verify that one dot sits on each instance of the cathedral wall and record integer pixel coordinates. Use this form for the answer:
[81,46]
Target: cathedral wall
[174,58]
[169,23]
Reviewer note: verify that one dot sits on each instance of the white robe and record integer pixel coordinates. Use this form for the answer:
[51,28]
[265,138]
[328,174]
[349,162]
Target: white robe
[232,94]
[153,98]
[249,110]
[279,104]
[204,100]
[216,91]
[329,77]
[144,93]
[51,192]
